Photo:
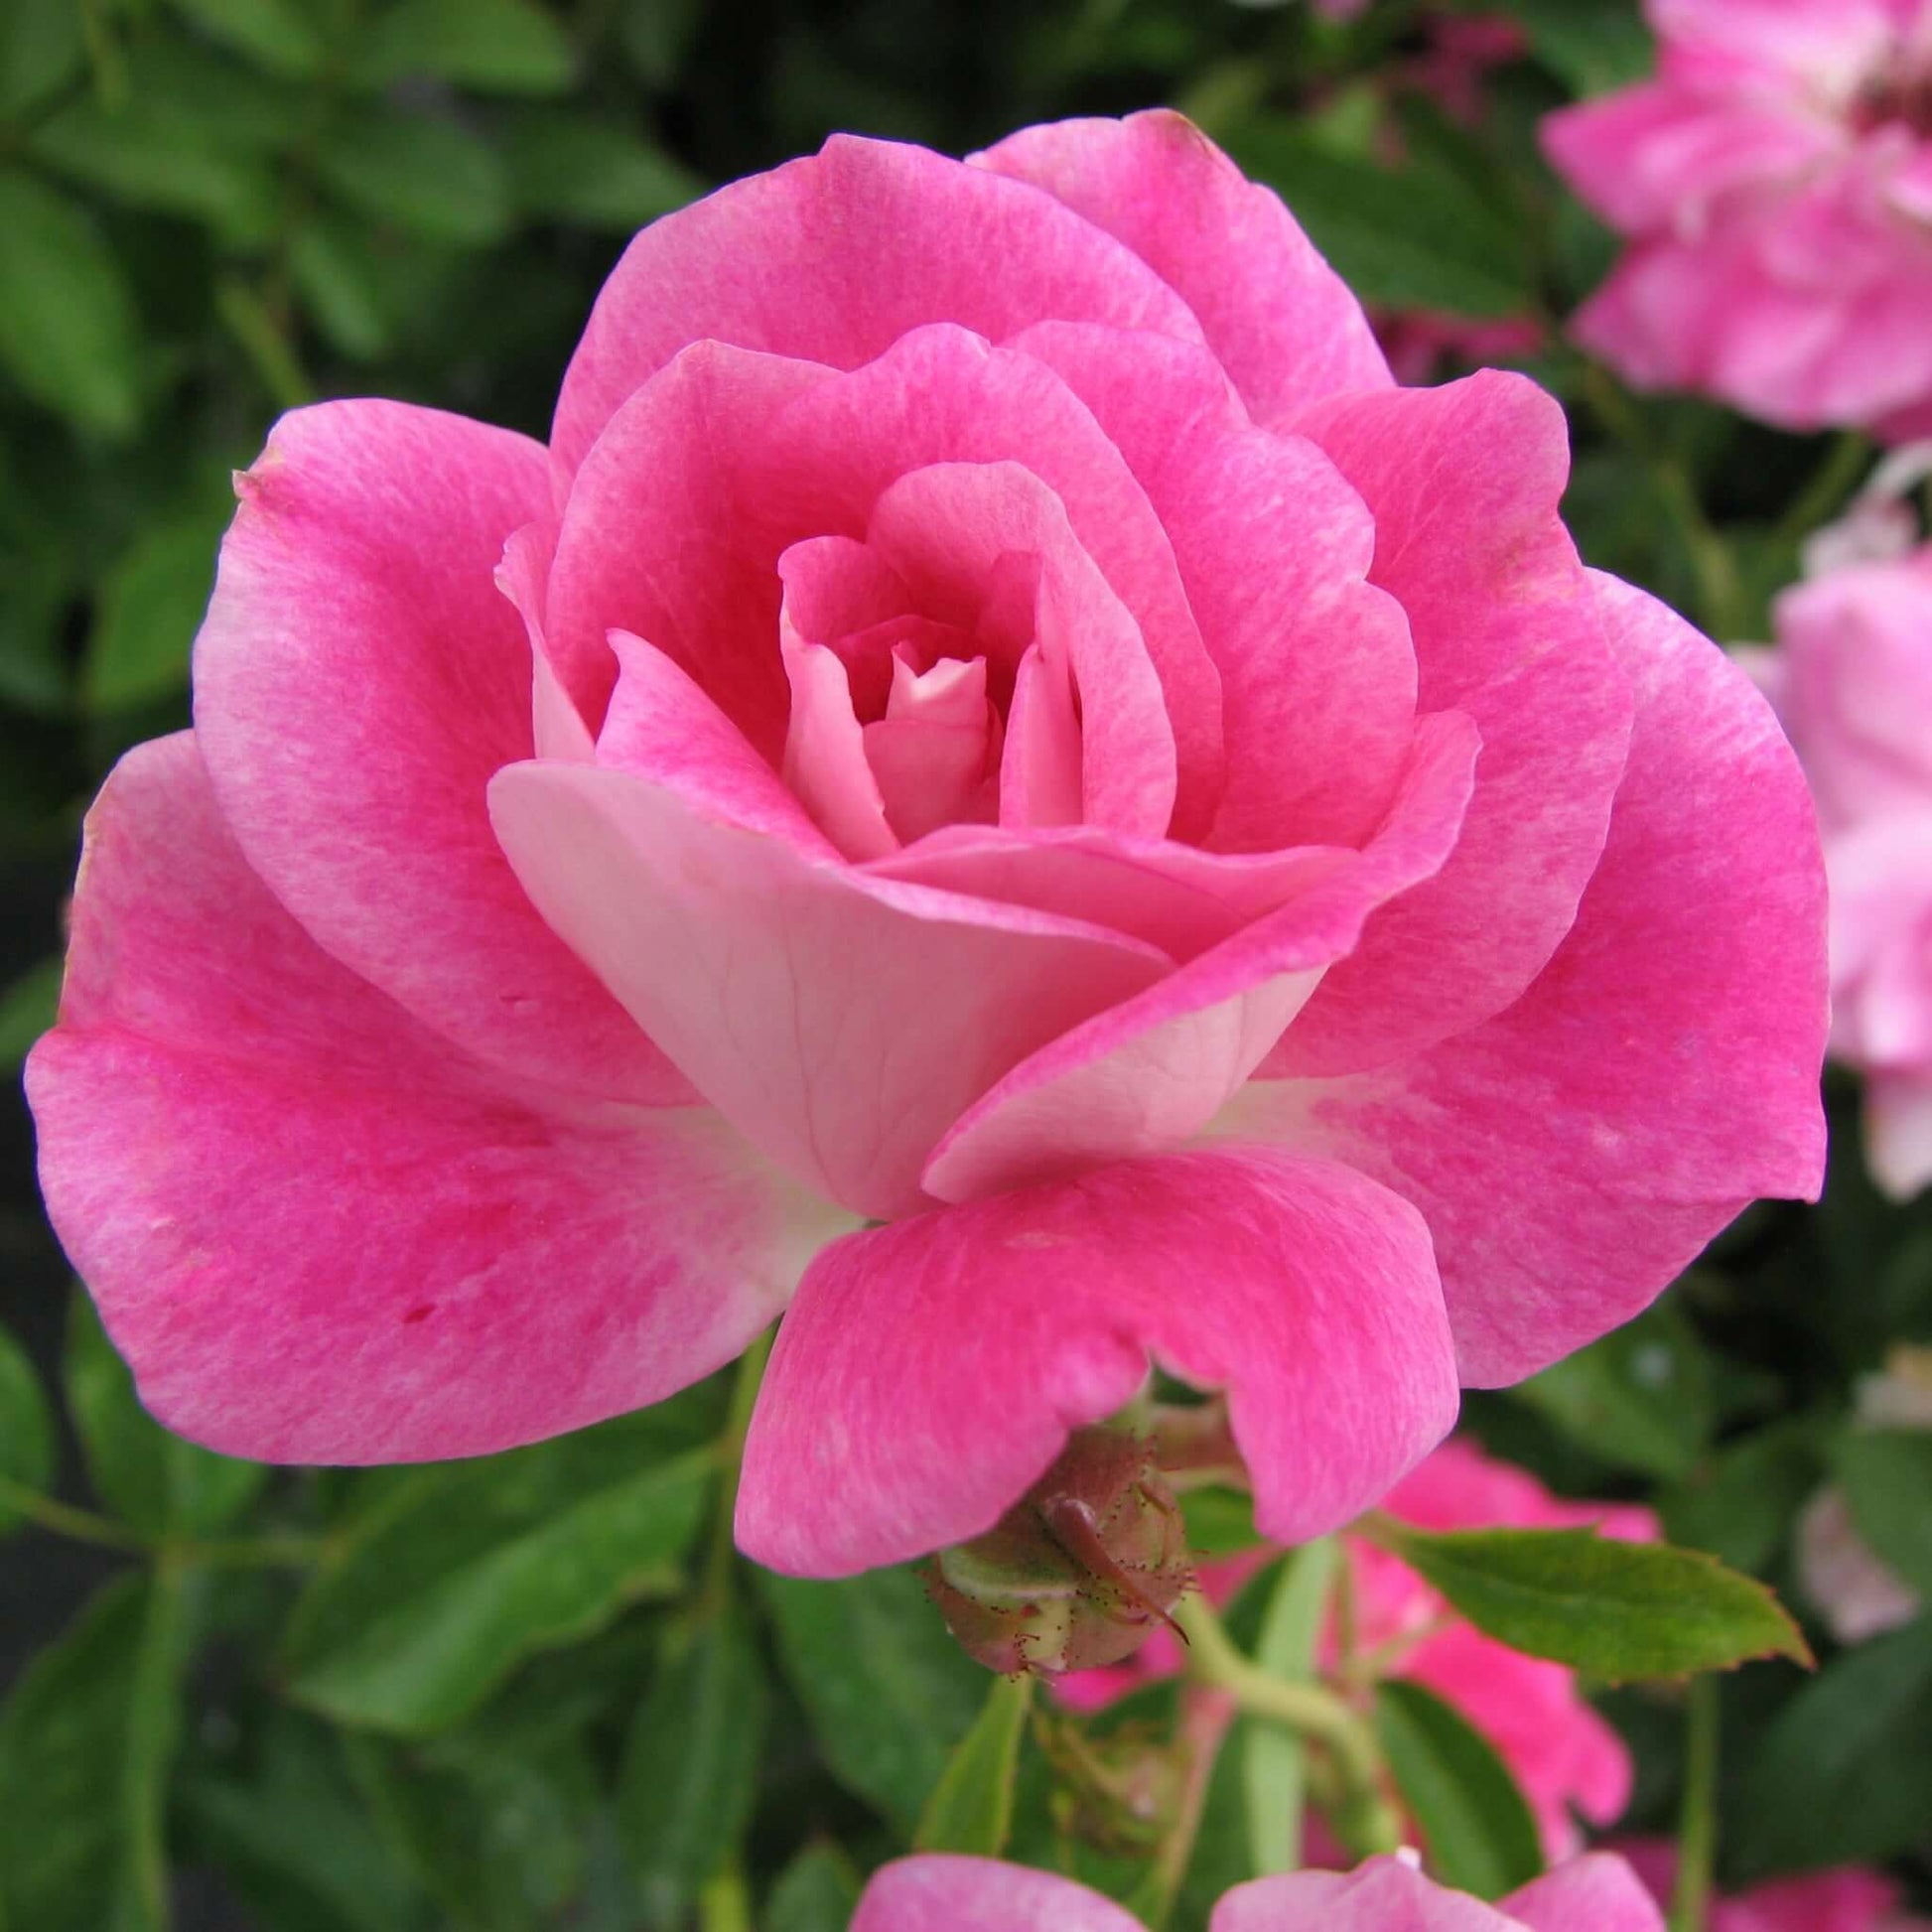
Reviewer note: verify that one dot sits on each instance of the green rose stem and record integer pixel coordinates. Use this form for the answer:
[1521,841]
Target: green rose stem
[1363,1817]
[1697,1833]
[84,1526]
[731,1458]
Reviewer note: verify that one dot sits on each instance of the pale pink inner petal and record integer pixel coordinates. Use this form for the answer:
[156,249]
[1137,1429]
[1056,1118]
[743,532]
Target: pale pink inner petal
[934,755]
[825,754]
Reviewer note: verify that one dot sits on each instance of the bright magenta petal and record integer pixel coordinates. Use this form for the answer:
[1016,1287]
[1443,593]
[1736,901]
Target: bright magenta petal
[1464,483]
[945,1892]
[1573,1154]
[357,680]
[785,262]
[1280,318]
[1304,1290]
[840,1022]
[318,1233]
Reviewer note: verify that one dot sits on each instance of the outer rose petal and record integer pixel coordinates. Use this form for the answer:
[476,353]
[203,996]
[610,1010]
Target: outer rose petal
[741,946]
[1304,1290]
[321,1235]
[1281,321]
[942,1893]
[785,262]
[1465,484]
[1576,1152]
[357,680]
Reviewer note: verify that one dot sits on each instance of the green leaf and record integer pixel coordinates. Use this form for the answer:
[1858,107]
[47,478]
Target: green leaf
[67,319]
[1640,1398]
[277,35]
[432,1598]
[1887,1480]
[420,173]
[42,49]
[816,1893]
[339,285]
[151,604]
[1479,1830]
[27,1010]
[151,159]
[1617,1611]
[147,1476]
[971,1807]
[1740,1502]
[1593,45]
[1419,238]
[292,1838]
[25,1426]
[566,166]
[1841,1775]
[691,1768]
[1219,1521]
[493,46]
[1274,1759]
[656,35]
[889,1693]
[86,1744]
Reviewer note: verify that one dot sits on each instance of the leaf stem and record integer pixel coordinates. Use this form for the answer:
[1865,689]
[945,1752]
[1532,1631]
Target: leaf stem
[731,1458]
[63,1519]
[1310,1710]
[85,1526]
[1825,494]
[1697,1832]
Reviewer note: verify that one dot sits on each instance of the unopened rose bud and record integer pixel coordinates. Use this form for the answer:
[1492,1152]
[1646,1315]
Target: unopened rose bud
[1078,1573]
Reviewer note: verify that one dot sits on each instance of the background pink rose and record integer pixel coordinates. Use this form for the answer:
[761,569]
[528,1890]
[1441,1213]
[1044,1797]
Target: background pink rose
[1775,180]
[1823,1901]
[995,716]
[1854,685]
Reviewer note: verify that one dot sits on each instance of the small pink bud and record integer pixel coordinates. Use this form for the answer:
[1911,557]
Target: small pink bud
[1078,1573]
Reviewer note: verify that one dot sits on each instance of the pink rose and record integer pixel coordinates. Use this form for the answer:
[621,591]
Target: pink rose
[939,1892]
[1776,181]
[993,715]
[1563,1755]
[1844,1901]
[1854,683]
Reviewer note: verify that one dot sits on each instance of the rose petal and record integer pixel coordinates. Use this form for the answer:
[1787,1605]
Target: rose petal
[321,1235]
[1309,1295]
[1575,1153]
[1318,672]
[357,680]
[1384,1895]
[1598,1894]
[742,944]
[1278,317]
[946,1893]
[778,262]
[1153,1072]
[1465,484]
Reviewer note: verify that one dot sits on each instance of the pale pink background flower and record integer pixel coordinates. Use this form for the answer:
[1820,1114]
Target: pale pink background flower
[1775,180]
[992,714]
[1853,681]
[940,1892]
[1564,1756]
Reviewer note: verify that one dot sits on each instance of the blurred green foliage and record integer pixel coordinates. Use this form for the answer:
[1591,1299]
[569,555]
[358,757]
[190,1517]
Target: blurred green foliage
[538,1691]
